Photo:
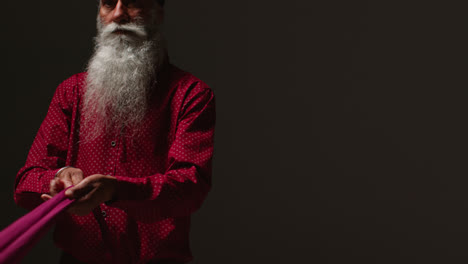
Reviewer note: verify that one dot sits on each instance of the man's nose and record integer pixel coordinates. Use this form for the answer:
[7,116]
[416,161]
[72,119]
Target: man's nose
[120,13]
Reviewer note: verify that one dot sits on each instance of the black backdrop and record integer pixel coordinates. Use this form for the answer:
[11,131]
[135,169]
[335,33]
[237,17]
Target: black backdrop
[341,132]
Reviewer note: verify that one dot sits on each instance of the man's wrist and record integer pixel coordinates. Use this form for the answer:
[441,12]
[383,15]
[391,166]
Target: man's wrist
[62,169]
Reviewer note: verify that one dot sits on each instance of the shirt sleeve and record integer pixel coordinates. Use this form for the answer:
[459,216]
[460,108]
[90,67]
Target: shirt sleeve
[182,188]
[48,152]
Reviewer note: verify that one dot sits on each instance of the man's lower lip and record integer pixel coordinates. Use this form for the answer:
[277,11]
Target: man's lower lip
[120,32]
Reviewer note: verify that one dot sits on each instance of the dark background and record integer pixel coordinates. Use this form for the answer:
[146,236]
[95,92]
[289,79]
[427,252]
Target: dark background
[341,130]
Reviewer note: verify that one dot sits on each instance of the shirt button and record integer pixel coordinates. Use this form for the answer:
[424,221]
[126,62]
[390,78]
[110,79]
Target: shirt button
[104,214]
[113,143]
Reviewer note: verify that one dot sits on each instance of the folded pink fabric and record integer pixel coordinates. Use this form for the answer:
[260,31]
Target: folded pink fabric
[18,238]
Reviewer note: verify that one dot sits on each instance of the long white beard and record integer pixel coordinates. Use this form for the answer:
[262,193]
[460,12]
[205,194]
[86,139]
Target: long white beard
[120,75]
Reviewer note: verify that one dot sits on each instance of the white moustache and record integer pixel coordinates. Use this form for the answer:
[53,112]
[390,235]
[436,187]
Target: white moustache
[130,28]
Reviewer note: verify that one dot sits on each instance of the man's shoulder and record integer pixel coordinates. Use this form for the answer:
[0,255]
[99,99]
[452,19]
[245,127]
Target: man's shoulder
[73,84]
[185,80]
[71,88]
[76,80]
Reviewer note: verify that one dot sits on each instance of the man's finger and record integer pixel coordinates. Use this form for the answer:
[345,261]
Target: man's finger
[54,188]
[80,190]
[85,204]
[66,179]
[46,197]
[77,177]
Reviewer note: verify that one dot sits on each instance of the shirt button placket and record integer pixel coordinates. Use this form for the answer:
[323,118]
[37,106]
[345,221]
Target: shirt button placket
[111,166]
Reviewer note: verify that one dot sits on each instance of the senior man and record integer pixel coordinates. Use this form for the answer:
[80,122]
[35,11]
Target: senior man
[133,136]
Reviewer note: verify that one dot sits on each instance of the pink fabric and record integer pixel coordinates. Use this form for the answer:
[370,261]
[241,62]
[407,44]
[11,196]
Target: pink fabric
[18,238]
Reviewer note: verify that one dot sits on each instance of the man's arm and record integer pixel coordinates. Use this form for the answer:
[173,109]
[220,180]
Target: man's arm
[181,189]
[49,149]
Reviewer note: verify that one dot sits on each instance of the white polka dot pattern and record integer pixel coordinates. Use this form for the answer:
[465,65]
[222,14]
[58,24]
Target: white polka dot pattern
[163,173]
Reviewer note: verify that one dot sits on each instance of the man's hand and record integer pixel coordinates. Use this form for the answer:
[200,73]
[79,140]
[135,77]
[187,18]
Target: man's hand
[66,178]
[91,192]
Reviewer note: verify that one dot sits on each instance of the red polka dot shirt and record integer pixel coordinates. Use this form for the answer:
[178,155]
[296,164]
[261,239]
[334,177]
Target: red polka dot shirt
[163,174]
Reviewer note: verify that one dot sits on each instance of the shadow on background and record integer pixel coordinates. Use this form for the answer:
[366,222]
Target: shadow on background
[340,133]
